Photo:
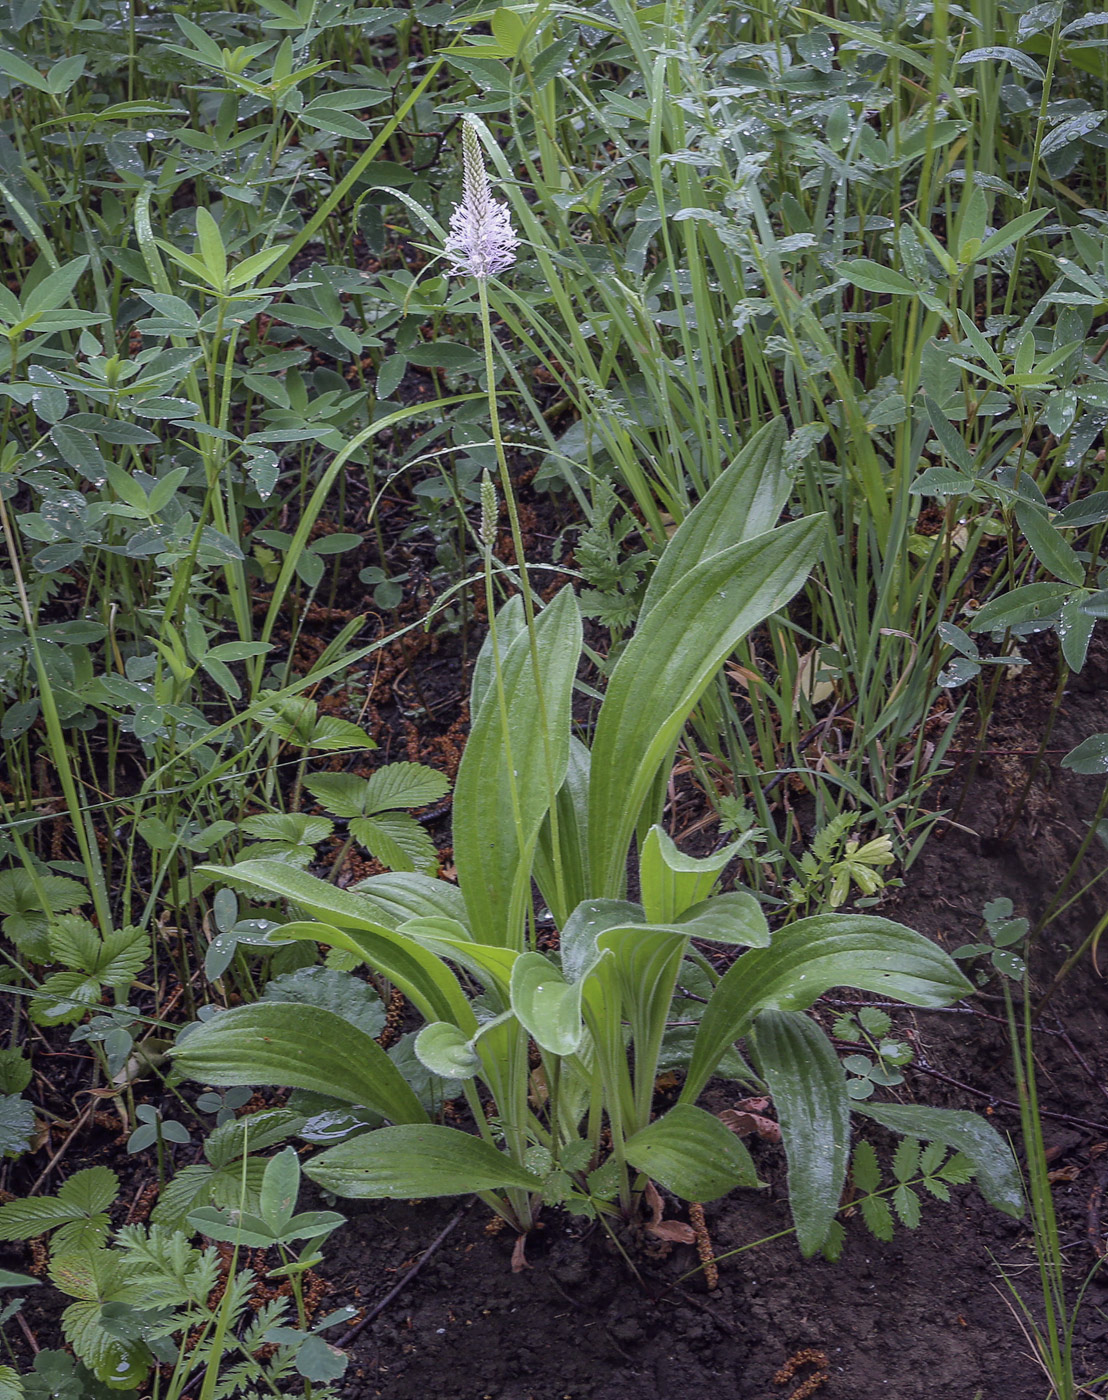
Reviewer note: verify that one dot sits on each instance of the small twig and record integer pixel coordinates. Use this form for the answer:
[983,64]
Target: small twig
[82,1119]
[32,1340]
[435,1244]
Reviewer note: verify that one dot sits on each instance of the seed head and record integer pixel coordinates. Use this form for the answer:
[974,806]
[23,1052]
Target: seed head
[480,242]
[489,510]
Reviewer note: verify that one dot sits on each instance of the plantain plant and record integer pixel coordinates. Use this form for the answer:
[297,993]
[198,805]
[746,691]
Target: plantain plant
[534,804]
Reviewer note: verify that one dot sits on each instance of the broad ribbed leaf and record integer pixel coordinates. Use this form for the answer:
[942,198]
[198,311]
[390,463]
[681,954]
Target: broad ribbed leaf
[998,1174]
[692,1154]
[732,917]
[421,975]
[416,1161]
[808,1087]
[448,939]
[744,501]
[666,667]
[510,622]
[316,897]
[401,896]
[670,882]
[573,840]
[298,1047]
[493,843]
[446,1051]
[546,1004]
[809,958]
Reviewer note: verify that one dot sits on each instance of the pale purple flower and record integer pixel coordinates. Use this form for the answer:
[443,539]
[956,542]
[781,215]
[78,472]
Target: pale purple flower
[480,242]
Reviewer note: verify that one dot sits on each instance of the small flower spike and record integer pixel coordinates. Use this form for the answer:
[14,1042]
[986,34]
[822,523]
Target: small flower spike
[481,241]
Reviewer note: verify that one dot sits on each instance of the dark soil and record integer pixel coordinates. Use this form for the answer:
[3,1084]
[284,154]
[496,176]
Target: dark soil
[928,1315]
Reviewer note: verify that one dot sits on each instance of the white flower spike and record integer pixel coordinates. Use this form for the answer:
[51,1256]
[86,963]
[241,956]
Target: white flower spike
[480,242]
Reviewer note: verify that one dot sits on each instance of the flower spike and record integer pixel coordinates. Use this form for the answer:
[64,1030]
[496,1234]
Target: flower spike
[481,241]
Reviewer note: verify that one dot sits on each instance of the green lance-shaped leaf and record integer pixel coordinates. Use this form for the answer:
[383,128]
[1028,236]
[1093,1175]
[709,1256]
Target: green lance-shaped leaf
[808,1086]
[1048,544]
[573,839]
[420,973]
[416,1161]
[298,1047]
[493,844]
[692,1154]
[670,882]
[665,669]
[809,958]
[998,1174]
[386,900]
[745,500]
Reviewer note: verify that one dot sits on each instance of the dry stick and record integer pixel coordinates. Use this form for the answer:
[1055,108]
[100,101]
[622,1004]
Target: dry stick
[82,1119]
[1008,1103]
[345,1341]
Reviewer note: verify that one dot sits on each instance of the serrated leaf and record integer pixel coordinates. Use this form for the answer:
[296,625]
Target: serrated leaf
[959,1170]
[906,1159]
[864,1168]
[931,1158]
[907,1205]
[832,1248]
[22,1220]
[89,1190]
[343,794]
[295,828]
[331,733]
[878,1217]
[989,1156]
[938,1188]
[396,839]
[343,993]
[405,785]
